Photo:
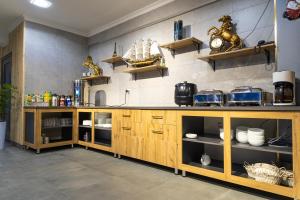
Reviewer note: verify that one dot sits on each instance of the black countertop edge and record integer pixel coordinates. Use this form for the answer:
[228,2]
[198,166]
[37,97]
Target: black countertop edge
[225,108]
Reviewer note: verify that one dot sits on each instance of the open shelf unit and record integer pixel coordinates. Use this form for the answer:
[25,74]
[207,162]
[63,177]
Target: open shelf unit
[137,70]
[173,46]
[95,78]
[263,49]
[114,61]
[49,127]
[229,156]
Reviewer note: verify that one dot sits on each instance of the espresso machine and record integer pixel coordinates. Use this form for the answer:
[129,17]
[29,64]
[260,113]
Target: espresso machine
[285,88]
[78,93]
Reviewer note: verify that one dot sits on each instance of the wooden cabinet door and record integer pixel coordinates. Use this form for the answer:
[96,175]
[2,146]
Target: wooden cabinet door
[160,145]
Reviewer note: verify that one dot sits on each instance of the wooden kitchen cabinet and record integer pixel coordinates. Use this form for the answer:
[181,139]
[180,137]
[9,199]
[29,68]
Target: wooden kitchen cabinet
[160,141]
[130,137]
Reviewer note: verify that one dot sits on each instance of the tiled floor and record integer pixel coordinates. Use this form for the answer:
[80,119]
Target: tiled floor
[83,174]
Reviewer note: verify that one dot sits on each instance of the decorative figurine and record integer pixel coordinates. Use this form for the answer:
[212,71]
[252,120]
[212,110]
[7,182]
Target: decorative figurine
[143,53]
[115,51]
[94,69]
[223,38]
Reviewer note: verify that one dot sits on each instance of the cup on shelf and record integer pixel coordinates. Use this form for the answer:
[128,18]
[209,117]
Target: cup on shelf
[222,134]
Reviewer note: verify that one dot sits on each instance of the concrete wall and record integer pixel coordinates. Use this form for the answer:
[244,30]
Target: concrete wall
[52,59]
[152,89]
[288,43]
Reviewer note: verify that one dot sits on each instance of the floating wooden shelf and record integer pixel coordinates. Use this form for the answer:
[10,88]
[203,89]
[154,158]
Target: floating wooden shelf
[93,78]
[113,59]
[137,70]
[173,46]
[266,49]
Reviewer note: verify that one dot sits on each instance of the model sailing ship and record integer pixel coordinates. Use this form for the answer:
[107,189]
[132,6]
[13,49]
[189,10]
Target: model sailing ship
[143,53]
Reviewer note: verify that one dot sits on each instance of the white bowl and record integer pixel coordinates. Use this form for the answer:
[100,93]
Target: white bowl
[191,135]
[256,131]
[254,137]
[222,134]
[242,134]
[256,143]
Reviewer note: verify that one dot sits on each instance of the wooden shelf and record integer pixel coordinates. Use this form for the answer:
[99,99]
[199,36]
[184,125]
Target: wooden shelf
[136,70]
[84,126]
[214,166]
[113,60]
[173,46]
[93,78]
[266,49]
[205,140]
[103,128]
[282,150]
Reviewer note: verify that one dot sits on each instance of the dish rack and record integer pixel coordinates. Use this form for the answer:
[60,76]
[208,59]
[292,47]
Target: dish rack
[263,172]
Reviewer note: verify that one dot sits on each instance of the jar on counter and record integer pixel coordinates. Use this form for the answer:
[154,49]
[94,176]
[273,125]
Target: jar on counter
[54,100]
[68,101]
[62,100]
[47,97]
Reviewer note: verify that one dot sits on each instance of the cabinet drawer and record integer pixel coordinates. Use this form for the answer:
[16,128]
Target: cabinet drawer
[163,132]
[131,116]
[161,117]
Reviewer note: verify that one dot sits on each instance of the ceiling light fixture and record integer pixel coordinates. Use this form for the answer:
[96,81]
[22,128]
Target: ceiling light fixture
[41,3]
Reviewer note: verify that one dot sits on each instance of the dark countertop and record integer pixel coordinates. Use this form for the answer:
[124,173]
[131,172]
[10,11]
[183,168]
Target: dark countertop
[225,108]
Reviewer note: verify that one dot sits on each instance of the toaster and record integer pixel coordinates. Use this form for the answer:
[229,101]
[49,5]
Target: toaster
[209,98]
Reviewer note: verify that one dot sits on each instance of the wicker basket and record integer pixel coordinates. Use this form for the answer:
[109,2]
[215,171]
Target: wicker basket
[287,178]
[263,172]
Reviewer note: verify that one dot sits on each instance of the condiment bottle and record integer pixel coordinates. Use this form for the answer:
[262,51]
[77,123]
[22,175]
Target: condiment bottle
[62,100]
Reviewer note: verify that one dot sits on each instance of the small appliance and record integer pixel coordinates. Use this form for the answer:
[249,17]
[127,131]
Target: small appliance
[184,93]
[78,93]
[246,96]
[209,98]
[284,94]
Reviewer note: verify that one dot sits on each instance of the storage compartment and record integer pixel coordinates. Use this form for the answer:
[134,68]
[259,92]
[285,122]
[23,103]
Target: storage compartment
[206,149]
[267,141]
[56,127]
[29,127]
[103,128]
[84,128]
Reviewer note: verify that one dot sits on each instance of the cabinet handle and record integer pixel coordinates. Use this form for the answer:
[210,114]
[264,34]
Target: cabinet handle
[157,117]
[157,132]
[126,115]
[126,128]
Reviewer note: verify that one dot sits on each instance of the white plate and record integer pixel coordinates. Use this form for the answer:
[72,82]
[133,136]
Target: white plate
[191,135]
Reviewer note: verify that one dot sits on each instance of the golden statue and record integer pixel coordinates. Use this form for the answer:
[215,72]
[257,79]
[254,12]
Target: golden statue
[94,69]
[223,38]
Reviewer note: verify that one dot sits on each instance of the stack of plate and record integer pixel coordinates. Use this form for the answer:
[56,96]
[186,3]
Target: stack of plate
[256,136]
[222,134]
[242,134]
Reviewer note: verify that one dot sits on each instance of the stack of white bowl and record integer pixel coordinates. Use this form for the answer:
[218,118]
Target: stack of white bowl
[256,136]
[242,134]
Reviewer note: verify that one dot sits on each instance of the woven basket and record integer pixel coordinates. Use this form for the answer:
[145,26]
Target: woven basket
[287,178]
[263,172]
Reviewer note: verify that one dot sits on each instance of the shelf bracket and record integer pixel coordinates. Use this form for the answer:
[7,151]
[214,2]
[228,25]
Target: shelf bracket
[213,64]
[172,51]
[197,46]
[268,56]
[161,72]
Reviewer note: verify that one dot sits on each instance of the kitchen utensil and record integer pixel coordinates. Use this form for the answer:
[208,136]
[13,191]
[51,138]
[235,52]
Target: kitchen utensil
[222,134]
[191,135]
[205,160]
[184,93]
[246,96]
[284,83]
[209,98]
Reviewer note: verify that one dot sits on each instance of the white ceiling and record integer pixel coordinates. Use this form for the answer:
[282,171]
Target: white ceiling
[84,17]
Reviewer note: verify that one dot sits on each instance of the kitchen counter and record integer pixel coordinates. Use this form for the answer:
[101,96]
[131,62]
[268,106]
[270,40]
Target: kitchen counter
[224,108]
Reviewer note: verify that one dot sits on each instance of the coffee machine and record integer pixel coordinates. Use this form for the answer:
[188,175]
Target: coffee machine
[78,92]
[284,83]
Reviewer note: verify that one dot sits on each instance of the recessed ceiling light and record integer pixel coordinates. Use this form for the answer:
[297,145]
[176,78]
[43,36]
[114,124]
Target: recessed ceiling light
[41,3]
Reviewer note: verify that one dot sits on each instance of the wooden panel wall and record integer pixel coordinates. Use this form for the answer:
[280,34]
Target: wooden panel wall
[16,47]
